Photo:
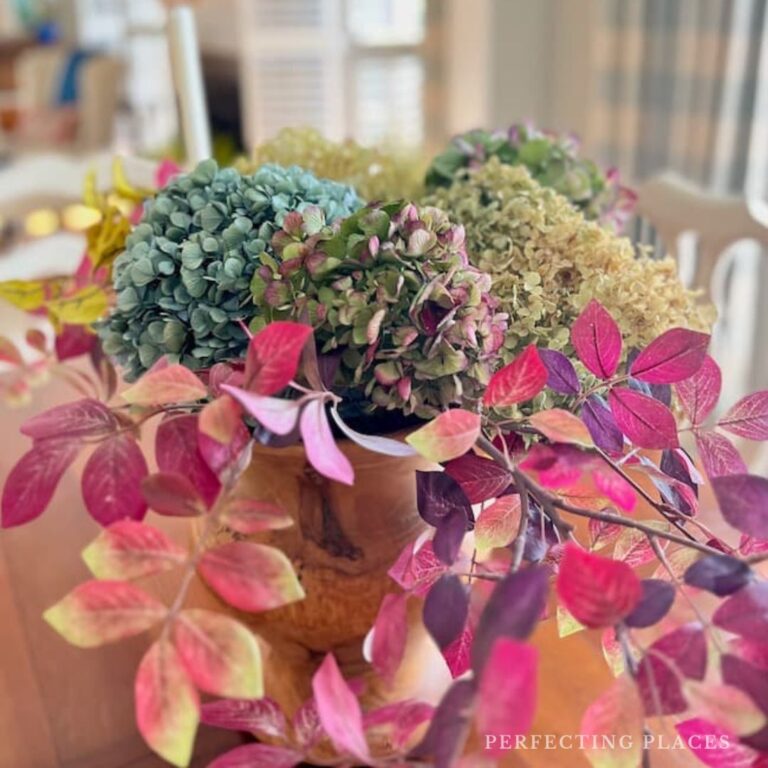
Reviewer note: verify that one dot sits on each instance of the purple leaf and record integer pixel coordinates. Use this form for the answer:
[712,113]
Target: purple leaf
[449,536]
[720,574]
[746,612]
[437,495]
[446,609]
[448,731]
[321,449]
[384,445]
[273,413]
[596,414]
[261,755]
[749,417]
[681,652]
[675,355]
[743,501]
[699,393]
[656,600]
[83,418]
[597,340]
[678,465]
[562,376]
[752,680]
[260,716]
[31,483]
[719,456]
[176,451]
[111,481]
[480,479]
[513,610]
[645,421]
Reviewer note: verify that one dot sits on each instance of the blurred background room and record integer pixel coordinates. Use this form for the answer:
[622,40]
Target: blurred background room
[674,93]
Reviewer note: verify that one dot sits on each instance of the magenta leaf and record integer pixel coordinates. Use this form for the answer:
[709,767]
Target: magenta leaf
[719,456]
[401,719]
[601,424]
[449,536]
[699,393]
[561,376]
[458,655]
[417,569]
[745,613]
[681,652]
[749,417]
[384,445]
[390,634]
[645,421]
[597,340]
[339,710]
[306,725]
[743,501]
[273,356]
[322,452]
[111,481]
[275,414]
[83,418]
[176,451]
[513,610]
[750,679]
[446,609]
[506,701]
[655,601]
[260,716]
[675,355]
[720,574]
[480,479]
[73,341]
[438,495]
[714,746]
[448,731]
[261,755]
[31,483]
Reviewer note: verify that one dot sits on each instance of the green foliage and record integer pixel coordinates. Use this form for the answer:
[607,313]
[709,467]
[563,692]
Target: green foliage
[392,299]
[183,282]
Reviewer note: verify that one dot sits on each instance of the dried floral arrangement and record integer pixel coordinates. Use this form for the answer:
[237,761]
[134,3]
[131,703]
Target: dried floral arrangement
[507,513]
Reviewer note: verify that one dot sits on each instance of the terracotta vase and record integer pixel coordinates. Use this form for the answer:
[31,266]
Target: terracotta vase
[343,541]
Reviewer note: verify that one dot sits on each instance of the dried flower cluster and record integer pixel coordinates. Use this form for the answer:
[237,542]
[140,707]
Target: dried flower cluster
[375,173]
[552,159]
[391,292]
[183,282]
[547,262]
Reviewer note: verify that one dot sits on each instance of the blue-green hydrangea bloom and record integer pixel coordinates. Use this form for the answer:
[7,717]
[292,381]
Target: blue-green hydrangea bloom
[183,281]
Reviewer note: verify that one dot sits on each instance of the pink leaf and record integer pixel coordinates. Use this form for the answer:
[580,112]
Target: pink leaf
[251,577]
[390,633]
[498,523]
[715,746]
[614,487]
[9,352]
[749,417]
[176,451]
[416,570]
[458,655]
[307,726]
[745,613]
[506,701]
[273,356]
[258,755]
[321,449]
[246,515]
[260,716]
[743,501]
[112,479]
[275,414]
[128,549]
[675,355]
[518,381]
[597,340]
[599,592]
[401,719]
[167,704]
[718,455]
[31,483]
[617,711]
[99,612]
[448,436]
[699,393]
[222,437]
[160,386]
[221,655]
[83,418]
[376,443]
[644,420]
[169,493]
[339,710]
[480,479]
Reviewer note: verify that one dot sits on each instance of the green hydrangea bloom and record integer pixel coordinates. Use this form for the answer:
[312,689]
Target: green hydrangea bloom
[183,281]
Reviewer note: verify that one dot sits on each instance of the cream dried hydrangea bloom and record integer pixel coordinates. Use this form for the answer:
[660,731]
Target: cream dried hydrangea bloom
[547,262]
[376,174]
